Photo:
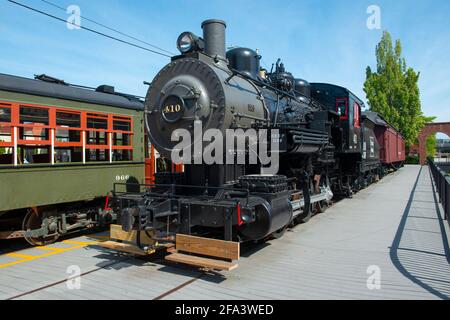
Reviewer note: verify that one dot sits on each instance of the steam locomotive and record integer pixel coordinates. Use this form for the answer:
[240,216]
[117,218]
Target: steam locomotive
[323,142]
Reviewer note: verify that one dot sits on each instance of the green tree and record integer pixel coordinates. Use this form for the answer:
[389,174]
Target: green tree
[431,145]
[393,90]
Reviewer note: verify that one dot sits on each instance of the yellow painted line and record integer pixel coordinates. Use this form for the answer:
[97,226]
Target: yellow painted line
[81,243]
[51,251]
[20,256]
[9,264]
[100,237]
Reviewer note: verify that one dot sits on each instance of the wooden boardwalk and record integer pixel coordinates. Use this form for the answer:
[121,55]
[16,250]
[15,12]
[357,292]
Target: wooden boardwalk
[388,242]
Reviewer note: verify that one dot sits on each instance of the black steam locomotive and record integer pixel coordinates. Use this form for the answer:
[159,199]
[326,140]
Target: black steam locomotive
[322,146]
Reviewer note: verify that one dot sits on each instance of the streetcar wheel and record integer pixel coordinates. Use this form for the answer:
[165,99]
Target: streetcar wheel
[33,221]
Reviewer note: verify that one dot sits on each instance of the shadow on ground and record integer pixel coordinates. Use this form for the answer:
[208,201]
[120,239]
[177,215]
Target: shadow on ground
[420,254]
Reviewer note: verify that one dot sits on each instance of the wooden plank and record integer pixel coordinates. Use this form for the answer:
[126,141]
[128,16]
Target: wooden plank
[170,247]
[117,233]
[208,247]
[123,247]
[201,262]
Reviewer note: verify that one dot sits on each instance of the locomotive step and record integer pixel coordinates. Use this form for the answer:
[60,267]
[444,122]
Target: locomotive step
[206,263]
[213,253]
[227,250]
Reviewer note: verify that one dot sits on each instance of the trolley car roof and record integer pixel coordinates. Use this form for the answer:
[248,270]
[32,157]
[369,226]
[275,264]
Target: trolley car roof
[63,91]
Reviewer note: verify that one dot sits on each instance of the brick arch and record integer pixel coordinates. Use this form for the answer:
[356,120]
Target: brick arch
[428,130]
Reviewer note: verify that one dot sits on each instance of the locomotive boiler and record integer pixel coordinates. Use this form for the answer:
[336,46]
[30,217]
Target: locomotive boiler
[226,94]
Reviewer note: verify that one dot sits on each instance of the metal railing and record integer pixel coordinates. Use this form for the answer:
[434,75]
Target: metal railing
[442,159]
[442,183]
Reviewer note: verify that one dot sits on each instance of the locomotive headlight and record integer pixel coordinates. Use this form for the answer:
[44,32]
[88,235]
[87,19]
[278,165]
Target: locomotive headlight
[187,42]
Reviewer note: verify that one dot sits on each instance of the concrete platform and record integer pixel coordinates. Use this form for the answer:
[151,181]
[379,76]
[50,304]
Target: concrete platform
[388,242]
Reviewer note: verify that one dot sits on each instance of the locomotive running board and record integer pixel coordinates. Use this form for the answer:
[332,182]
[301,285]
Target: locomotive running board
[215,254]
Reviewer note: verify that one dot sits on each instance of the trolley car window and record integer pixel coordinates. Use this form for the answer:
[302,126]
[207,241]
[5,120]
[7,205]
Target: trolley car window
[5,134]
[6,155]
[64,135]
[33,134]
[97,123]
[5,114]
[122,155]
[121,139]
[30,115]
[67,155]
[31,155]
[97,138]
[122,134]
[65,119]
[93,155]
[121,125]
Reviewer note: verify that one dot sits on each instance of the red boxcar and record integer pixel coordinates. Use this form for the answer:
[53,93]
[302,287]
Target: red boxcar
[392,144]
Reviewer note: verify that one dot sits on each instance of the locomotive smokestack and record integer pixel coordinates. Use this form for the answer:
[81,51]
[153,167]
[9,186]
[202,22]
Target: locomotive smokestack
[214,36]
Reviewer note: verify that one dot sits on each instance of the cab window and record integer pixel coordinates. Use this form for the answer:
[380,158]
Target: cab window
[342,108]
[356,115]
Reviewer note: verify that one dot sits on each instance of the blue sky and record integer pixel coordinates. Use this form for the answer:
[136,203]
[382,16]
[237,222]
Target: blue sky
[320,41]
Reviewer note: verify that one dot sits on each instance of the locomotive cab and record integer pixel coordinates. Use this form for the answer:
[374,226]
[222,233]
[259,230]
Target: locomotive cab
[348,107]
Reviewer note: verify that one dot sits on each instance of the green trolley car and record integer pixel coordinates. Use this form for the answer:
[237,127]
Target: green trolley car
[62,147]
